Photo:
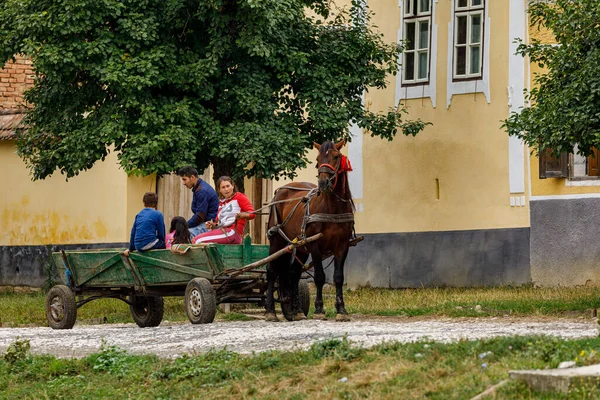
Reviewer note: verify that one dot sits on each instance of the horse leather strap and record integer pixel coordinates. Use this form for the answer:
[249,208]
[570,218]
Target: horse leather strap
[308,218]
[335,218]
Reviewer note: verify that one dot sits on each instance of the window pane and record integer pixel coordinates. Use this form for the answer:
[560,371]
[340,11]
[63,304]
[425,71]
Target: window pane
[409,66]
[475,2]
[462,3]
[424,6]
[476,28]
[423,34]
[461,37]
[414,7]
[407,9]
[422,74]
[410,36]
[475,57]
[461,60]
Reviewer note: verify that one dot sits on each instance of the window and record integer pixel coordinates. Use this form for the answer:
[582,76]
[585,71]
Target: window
[570,165]
[417,37]
[552,166]
[468,39]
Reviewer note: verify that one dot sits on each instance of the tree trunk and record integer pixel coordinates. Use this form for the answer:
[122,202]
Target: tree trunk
[222,167]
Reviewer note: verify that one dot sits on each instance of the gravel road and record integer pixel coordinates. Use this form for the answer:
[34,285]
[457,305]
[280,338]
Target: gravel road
[174,339]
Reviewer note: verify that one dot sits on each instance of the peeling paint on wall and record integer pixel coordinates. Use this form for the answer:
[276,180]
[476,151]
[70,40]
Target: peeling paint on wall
[22,226]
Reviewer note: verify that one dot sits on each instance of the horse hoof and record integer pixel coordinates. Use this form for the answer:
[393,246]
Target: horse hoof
[342,317]
[322,317]
[299,317]
[271,317]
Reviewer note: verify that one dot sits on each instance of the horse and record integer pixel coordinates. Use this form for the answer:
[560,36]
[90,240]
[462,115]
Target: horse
[302,209]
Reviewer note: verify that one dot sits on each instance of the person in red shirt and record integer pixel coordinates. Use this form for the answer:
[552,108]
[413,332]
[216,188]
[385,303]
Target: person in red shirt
[234,210]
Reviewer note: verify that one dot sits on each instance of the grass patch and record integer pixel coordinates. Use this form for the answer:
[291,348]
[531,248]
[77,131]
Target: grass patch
[463,302]
[29,309]
[330,369]
[234,316]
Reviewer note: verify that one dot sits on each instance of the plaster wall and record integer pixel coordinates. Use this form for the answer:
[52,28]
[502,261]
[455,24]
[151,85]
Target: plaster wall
[455,174]
[564,245]
[474,258]
[98,206]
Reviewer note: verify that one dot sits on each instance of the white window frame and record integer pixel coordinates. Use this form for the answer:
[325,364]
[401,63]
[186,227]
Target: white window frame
[418,88]
[468,12]
[479,84]
[410,17]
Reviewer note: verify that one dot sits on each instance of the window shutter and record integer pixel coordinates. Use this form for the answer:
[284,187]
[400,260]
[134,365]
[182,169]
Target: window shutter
[593,162]
[554,167]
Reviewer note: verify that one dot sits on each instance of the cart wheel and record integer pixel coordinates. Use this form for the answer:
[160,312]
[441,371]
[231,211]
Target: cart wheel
[304,295]
[61,310]
[200,301]
[147,311]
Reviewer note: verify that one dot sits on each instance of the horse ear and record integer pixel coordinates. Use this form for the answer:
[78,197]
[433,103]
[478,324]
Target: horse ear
[317,145]
[340,144]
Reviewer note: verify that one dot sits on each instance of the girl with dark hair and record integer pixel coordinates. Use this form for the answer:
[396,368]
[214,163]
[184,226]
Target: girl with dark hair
[179,232]
[234,210]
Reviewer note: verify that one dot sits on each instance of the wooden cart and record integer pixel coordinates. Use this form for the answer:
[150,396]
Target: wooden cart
[206,275]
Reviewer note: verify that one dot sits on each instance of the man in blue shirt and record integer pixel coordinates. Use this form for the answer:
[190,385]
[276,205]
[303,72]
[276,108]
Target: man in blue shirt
[148,231]
[205,202]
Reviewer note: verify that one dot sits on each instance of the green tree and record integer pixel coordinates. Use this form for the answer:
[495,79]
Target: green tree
[246,85]
[564,106]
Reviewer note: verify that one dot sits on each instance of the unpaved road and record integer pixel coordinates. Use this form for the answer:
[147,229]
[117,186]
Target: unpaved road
[171,340]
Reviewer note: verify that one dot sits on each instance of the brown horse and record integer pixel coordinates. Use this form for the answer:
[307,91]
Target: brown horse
[301,209]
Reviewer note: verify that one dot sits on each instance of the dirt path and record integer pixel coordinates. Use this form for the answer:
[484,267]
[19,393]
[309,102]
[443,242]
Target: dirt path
[173,339]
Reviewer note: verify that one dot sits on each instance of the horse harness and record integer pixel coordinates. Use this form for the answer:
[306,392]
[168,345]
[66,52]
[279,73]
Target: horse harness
[308,218]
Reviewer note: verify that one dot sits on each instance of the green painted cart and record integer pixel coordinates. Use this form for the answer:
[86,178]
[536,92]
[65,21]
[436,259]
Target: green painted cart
[205,275]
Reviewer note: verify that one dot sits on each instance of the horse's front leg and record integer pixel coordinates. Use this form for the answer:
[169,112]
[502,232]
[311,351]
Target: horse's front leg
[338,279]
[319,282]
[270,298]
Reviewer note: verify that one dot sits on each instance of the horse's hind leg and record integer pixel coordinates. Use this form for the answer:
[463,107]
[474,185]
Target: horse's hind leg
[274,271]
[338,278]
[296,274]
[270,298]
[319,282]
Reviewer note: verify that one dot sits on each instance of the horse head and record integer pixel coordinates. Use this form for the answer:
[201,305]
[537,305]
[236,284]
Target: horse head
[330,163]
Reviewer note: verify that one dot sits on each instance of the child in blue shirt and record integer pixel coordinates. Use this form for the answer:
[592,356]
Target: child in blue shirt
[148,231]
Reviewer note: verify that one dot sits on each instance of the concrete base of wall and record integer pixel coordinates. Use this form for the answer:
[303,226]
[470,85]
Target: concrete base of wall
[456,258]
[392,260]
[565,248]
[32,266]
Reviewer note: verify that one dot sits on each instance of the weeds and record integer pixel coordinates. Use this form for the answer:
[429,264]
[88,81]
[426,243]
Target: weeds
[336,348]
[329,369]
[111,359]
[17,351]
[208,370]
[234,316]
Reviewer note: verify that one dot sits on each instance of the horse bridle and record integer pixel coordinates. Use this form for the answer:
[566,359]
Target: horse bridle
[334,172]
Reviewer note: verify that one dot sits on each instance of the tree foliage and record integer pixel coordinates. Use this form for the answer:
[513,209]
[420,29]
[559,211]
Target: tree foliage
[247,85]
[565,100]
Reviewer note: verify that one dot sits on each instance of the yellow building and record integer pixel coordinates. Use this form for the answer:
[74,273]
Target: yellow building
[565,198]
[450,206]
[94,209]
[461,204]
